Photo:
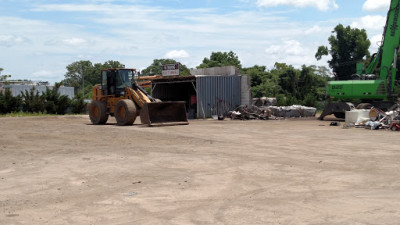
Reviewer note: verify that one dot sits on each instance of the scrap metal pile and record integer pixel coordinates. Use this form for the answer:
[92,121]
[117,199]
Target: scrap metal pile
[264,108]
[374,118]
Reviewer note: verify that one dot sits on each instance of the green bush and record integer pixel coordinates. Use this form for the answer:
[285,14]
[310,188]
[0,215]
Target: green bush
[280,100]
[50,107]
[33,101]
[310,100]
[62,105]
[9,103]
[54,102]
[78,105]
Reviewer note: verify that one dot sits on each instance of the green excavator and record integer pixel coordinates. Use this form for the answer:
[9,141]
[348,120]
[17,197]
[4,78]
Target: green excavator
[374,84]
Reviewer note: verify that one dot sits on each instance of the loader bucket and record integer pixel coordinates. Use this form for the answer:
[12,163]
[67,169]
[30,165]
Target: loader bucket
[164,114]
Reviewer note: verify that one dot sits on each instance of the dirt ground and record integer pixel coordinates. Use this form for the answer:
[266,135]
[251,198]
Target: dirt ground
[62,170]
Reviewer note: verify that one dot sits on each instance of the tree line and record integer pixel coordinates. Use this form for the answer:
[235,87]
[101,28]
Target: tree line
[49,102]
[305,85]
[290,85]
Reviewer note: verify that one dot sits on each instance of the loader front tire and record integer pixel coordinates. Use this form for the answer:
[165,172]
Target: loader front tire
[125,112]
[98,112]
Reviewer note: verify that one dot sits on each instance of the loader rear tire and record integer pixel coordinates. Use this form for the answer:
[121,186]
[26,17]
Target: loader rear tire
[125,112]
[98,112]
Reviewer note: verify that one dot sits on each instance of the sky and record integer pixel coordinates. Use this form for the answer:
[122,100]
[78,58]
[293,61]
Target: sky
[39,38]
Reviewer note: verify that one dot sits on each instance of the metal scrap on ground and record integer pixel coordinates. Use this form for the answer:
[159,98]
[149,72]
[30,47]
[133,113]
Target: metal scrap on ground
[264,108]
[374,118]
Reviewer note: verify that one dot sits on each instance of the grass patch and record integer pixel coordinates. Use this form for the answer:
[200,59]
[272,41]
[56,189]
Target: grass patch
[25,114]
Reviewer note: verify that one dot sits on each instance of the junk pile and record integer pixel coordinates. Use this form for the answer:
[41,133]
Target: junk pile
[292,111]
[244,112]
[374,118]
[265,108]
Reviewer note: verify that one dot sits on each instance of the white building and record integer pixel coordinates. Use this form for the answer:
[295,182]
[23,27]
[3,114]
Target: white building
[16,89]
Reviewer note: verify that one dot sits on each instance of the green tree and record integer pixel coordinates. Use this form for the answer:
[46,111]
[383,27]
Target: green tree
[310,100]
[32,101]
[288,84]
[9,103]
[347,47]
[288,79]
[86,73]
[268,88]
[156,69]
[76,74]
[322,71]
[3,78]
[257,74]
[78,104]
[221,59]
[54,102]
[262,82]
[311,83]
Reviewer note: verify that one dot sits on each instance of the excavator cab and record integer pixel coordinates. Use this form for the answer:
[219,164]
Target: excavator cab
[120,96]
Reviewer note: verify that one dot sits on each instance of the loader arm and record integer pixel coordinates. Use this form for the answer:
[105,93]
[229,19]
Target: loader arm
[137,96]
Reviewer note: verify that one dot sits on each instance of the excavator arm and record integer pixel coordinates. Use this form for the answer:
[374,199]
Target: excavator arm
[389,49]
[379,90]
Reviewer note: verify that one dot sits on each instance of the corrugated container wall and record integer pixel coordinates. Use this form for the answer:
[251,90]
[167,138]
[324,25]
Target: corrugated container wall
[217,94]
[246,90]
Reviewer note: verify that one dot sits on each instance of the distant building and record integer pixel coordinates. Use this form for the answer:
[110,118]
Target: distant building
[23,82]
[17,87]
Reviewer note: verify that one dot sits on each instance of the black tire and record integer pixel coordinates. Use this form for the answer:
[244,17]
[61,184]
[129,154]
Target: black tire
[98,112]
[340,115]
[364,106]
[125,112]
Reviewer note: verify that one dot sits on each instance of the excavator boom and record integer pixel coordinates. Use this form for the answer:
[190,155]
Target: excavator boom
[376,84]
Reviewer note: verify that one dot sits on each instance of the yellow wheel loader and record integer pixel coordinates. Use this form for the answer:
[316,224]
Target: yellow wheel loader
[119,95]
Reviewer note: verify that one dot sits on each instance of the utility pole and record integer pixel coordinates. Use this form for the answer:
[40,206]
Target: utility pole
[83,83]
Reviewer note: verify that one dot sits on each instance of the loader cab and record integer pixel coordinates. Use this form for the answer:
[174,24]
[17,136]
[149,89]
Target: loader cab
[114,81]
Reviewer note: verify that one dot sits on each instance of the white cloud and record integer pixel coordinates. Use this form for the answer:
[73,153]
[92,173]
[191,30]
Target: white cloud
[313,30]
[370,22]
[135,38]
[322,5]
[376,42]
[9,40]
[292,52]
[177,54]
[376,5]
[42,74]
[74,41]
[291,47]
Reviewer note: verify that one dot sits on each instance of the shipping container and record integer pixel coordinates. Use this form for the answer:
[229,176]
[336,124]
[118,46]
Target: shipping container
[205,96]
